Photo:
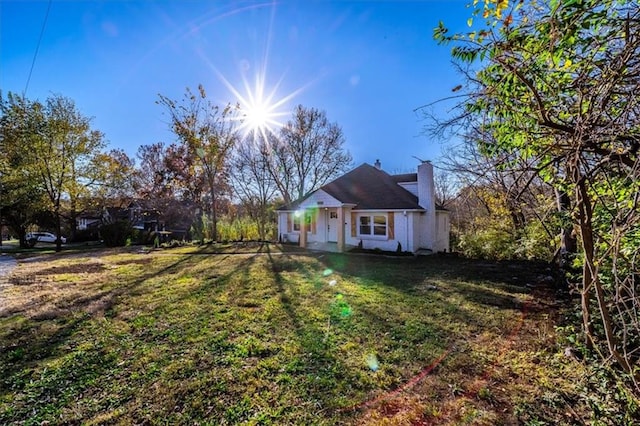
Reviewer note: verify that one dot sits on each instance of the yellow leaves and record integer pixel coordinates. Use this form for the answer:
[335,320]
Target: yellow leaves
[495,8]
[502,5]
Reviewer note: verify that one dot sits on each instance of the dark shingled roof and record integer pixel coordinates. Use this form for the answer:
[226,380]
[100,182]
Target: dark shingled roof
[369,188]
[407,177]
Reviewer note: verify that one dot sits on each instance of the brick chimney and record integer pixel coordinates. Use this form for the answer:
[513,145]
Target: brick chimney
[377,165]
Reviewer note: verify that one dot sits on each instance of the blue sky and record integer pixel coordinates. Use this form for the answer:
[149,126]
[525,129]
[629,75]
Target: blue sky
[367,64]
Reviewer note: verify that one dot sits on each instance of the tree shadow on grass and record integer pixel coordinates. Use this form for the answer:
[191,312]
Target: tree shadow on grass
[319,368]
[498,284]
[321,379]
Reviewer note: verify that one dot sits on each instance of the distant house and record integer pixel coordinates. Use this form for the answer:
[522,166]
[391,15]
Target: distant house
[114,214]
[145,215]
[168,216]
[369,208]
[88,220]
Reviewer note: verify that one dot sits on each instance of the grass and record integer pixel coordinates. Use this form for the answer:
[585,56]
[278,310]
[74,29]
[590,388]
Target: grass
[247,334]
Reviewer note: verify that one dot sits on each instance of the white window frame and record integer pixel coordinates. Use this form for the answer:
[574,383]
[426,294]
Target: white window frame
[372,225]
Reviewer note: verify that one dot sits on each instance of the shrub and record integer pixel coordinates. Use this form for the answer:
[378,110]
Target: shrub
[116,234]
[86,235]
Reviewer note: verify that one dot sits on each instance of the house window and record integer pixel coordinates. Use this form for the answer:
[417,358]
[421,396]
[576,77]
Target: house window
[333,215]
[374,225]
[307,219]
[365,225]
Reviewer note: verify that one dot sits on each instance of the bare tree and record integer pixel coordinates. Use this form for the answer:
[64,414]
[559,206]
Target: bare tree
[252,181]
[307,153]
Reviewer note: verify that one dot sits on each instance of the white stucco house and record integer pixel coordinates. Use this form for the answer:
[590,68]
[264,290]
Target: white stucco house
[370,208]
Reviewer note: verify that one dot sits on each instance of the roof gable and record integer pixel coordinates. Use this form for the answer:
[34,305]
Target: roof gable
[319,198]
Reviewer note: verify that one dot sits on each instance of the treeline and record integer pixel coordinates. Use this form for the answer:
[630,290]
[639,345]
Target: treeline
[55,167]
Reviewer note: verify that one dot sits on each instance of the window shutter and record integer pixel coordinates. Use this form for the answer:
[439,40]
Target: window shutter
[289,226]
[353,224]
[390,225]
[313,223]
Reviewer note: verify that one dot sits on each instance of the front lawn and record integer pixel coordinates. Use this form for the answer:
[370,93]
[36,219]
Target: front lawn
[254,335]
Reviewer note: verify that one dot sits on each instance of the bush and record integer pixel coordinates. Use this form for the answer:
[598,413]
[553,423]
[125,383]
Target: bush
[489,243]
[243,229]
[86,235]
[497,241]
[116,234]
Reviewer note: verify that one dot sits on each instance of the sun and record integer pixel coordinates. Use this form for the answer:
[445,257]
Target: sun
[257,117]
[261,110]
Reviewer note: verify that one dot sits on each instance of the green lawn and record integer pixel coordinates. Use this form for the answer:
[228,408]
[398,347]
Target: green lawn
[254,335]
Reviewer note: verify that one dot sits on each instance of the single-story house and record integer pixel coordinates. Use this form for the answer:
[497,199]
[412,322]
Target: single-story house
[371,209]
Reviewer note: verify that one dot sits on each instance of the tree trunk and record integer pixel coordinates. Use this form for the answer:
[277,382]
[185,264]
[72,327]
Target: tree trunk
[568,241]
[214,214]
[73,215]
[591,280]
[58,227]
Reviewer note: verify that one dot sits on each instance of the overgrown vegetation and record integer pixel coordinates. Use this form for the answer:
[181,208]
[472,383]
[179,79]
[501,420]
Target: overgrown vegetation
[550,99]
[247,334]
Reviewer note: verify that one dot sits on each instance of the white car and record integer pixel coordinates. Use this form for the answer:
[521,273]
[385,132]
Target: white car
[44,237]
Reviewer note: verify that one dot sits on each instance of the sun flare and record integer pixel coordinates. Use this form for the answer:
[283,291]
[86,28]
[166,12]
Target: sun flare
[257,116]
[261,111]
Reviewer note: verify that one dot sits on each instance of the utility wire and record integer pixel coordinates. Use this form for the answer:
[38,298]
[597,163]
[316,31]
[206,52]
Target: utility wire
[35,55]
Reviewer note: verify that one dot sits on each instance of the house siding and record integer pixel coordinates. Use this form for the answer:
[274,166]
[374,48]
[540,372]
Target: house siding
[412,187]
[315,230]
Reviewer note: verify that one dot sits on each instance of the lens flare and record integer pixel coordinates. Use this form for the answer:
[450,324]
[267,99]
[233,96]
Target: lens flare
[372,362]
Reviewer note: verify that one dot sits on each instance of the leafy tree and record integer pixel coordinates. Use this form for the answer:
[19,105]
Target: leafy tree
[152,178]
[556,89]
[53,151]
[88,169]
[117,180]
[207,133]
[21,197]
[61,154]
[307,153]
[498,208]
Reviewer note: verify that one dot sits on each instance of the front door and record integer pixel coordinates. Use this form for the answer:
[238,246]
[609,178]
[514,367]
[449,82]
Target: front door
[332,225]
